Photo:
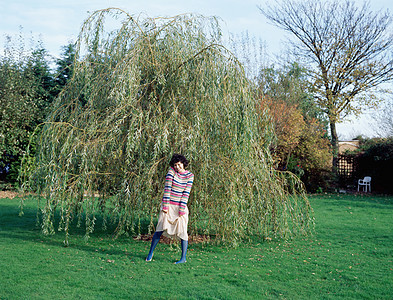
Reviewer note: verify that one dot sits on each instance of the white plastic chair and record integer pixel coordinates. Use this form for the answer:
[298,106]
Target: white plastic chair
[365,183]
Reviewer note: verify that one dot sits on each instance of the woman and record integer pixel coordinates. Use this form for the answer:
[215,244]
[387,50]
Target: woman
[173,217]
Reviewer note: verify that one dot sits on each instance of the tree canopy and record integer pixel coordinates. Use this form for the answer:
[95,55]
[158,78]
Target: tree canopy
[384,119]
[141,92]
[28,87]
[349,48]
[25,95]
[301,144]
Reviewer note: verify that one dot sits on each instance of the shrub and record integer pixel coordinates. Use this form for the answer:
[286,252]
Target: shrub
[376,160]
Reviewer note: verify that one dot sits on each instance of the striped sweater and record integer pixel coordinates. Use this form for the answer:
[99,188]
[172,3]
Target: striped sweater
[177,189]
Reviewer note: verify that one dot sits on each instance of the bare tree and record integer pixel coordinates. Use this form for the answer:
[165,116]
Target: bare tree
[349,49]
[384,119]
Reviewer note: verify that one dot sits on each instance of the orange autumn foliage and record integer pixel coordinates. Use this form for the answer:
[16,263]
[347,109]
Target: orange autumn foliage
[288,124]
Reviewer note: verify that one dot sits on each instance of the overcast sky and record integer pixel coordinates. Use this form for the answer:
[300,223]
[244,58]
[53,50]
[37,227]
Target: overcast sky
[56,23]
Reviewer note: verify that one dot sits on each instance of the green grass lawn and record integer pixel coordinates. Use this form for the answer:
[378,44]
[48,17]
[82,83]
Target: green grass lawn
[350,256]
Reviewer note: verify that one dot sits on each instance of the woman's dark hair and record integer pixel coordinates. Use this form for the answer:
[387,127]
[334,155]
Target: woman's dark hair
[176,158]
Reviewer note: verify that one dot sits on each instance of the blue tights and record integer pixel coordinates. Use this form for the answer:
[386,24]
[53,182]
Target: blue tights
[154,242]
[184,245]
[156,239]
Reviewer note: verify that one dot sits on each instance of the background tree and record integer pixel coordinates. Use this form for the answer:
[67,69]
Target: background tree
[38,71]
[384,119]
[289,82]
[140,93]
[288,125]
[65,66]
[25,93]
[312,157]
[301,144]
[28,87]
[348,47]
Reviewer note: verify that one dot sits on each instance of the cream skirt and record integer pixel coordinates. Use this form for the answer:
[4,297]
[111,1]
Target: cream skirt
[173,225]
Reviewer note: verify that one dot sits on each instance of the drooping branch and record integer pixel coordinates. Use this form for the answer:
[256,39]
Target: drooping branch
[141,93]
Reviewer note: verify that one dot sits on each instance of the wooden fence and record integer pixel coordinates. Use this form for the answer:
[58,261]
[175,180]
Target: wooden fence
[347,170]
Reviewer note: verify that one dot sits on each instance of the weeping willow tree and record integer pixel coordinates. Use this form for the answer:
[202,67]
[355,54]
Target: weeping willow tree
[140,93]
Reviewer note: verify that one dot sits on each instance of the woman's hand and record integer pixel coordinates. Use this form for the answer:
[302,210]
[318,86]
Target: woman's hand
[165,211]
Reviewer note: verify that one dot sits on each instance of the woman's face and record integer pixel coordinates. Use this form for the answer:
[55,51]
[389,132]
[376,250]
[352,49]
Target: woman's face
[179,167]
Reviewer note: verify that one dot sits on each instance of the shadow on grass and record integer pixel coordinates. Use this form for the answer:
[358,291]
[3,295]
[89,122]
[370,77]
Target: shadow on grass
[27,228]
[93,246]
